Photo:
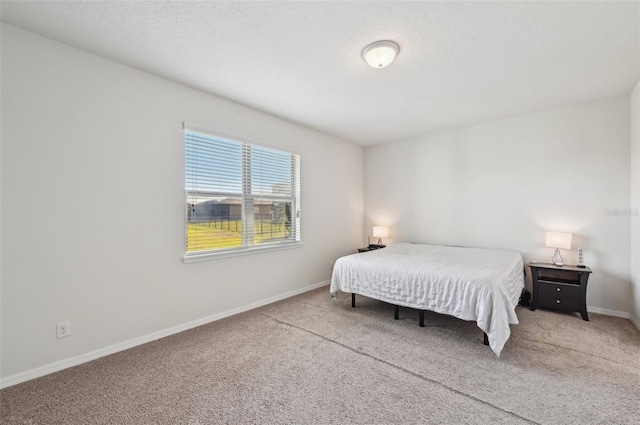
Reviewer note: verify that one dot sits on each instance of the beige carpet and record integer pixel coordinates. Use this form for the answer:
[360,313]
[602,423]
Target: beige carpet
[313,360]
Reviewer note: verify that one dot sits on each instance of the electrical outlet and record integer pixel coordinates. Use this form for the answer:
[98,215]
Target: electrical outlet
[63,329]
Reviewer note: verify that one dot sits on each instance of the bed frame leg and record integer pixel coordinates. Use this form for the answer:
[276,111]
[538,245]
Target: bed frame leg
[396,312]
[353,299]
[421,322]
[486,339]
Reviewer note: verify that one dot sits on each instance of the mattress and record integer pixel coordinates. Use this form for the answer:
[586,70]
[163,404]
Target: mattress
[481,285]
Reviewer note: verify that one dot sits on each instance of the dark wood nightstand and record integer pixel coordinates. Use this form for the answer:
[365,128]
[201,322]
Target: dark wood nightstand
[370,248]
[560,288]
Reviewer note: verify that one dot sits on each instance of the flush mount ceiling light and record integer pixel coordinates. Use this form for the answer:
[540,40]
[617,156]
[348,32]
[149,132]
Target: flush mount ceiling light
[380,53]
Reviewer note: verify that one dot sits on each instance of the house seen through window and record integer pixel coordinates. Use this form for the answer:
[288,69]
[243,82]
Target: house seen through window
[239,195]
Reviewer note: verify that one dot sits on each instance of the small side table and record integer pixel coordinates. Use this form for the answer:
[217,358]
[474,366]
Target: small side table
[370,248]
[560,288]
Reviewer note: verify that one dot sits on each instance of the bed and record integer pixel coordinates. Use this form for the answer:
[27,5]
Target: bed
[481,285]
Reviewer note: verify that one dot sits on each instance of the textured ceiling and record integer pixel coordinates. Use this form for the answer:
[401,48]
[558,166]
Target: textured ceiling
[459,63]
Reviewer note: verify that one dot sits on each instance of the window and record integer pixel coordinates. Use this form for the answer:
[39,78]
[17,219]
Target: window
[239,196]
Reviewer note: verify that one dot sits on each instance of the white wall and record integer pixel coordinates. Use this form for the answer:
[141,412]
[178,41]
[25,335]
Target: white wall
[93,204]
[635,203]
[503,184]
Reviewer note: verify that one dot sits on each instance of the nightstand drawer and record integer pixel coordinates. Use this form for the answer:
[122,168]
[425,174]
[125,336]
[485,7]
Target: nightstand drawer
[559,296]
[559,275]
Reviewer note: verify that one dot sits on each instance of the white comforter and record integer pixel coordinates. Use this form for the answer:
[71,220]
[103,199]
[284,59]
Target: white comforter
[482,285]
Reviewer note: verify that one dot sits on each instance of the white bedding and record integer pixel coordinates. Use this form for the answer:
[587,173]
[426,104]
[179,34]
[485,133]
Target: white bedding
[483,285]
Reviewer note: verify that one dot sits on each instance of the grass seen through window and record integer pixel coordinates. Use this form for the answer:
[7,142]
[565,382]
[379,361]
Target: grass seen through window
[228,234]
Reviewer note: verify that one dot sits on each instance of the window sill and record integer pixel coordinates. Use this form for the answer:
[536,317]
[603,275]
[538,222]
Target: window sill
[237,253]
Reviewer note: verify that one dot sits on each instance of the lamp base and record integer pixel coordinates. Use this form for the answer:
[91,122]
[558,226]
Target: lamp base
[557,258]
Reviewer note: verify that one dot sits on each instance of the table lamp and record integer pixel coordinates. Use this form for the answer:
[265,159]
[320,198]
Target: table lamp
[379,232]
[558,240]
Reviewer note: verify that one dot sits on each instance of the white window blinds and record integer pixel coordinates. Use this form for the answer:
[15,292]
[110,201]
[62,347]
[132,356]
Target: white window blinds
[238,195]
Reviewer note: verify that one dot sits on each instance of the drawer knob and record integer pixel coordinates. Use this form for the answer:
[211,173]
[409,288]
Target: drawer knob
[558,301]
[558,289]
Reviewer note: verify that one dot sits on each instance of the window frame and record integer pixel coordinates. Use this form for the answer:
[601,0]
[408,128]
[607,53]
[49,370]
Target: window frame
[205,255]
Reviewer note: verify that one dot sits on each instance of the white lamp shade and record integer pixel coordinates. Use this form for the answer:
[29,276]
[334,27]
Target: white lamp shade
[380,53]
[379,232]
[558,240]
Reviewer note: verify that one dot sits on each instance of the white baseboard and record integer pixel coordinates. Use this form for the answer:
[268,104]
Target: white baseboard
[93,355]
[607,312]
[635,322]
